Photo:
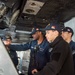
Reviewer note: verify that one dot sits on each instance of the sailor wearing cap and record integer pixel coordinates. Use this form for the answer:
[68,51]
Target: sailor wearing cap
[7,41]
[39,47]
[67,34]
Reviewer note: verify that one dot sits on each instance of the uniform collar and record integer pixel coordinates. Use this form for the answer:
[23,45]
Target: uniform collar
[58,38]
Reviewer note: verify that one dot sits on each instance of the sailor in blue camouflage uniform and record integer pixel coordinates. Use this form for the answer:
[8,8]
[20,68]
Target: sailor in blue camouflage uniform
[39,47]
[67,34]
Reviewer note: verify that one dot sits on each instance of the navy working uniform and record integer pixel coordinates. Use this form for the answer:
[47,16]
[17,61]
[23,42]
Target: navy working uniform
[71,43]
[39,55]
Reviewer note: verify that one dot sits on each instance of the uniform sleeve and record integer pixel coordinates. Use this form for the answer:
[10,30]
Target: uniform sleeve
[21,47]
[54,66]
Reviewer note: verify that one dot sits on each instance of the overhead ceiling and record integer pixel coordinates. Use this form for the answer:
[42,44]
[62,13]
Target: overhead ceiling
[44,11]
